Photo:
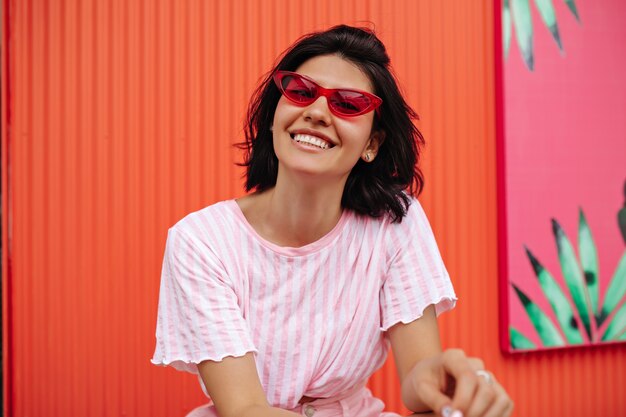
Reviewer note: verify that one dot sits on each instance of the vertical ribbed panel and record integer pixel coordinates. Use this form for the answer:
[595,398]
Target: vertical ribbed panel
[4,155]
[122,114]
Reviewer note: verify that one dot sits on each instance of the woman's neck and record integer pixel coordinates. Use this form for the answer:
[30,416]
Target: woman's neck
[294,214]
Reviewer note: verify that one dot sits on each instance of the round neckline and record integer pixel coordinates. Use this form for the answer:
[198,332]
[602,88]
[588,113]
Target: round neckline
[291,251]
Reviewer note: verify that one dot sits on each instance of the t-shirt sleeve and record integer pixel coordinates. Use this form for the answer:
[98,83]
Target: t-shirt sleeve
[416,276]
[199,317]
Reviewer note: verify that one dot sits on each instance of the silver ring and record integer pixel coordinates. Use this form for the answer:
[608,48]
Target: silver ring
[486,375]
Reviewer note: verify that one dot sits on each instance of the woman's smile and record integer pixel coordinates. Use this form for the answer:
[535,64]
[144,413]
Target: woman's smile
[310,141]
[308,138]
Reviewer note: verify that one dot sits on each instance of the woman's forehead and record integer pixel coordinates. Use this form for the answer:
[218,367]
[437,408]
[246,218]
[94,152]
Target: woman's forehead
[333,71]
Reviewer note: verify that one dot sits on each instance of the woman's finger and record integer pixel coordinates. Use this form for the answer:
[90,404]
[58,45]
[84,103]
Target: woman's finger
[483,400]
[457,365]
[467,385]
[433,397]
[476,363]
[502,406]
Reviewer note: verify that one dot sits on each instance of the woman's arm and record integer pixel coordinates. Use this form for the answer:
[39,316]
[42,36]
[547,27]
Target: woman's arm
[234,386]
[445,382]
[412,343]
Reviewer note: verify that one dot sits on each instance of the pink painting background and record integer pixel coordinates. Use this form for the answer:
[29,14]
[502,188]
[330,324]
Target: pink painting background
[565,145]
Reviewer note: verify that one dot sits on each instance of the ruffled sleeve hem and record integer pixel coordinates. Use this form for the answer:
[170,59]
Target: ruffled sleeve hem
[189,363]
[443,304]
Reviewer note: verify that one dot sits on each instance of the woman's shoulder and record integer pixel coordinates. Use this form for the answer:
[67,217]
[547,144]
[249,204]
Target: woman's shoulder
[415,211]
[412,228]
[414,214]
[415,223]
[211,220]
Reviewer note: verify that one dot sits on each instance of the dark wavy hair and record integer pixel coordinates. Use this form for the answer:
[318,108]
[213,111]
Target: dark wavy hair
[374,189]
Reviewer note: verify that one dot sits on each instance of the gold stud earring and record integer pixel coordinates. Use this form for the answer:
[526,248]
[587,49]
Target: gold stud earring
[368,157]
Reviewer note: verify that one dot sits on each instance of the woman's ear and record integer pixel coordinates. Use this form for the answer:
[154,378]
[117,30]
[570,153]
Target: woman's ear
[373,144]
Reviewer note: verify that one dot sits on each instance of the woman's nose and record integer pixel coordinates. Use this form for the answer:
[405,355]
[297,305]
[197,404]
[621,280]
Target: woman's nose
[318,112]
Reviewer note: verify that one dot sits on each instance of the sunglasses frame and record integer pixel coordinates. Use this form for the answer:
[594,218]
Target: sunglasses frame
[375,101]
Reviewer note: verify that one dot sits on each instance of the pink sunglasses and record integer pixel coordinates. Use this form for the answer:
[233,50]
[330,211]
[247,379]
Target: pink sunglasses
[342,102]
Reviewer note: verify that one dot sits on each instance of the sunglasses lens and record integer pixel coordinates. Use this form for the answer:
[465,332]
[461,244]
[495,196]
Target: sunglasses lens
[348,102]
[298,89]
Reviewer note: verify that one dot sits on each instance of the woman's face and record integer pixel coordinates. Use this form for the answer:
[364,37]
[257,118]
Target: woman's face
[346,139]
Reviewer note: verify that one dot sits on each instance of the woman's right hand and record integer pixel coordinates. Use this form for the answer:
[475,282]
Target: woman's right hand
[455,385]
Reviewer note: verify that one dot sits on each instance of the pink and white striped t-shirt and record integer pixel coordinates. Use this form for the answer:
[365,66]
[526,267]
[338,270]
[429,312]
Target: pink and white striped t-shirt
[315,316]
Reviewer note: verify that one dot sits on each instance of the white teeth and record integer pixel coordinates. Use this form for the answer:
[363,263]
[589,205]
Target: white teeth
[311,140]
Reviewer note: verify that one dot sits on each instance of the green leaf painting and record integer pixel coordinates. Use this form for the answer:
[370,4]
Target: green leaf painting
[616,291]
[523,24]
[588,260]
[518,14]
[579,316]
[506,27]
[572,7]
[621,217]
[617,326]
[558,301]
[572,274]
[547,331]
[519,341]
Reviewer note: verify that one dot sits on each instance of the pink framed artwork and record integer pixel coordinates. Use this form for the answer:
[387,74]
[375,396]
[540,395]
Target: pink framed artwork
[561,133]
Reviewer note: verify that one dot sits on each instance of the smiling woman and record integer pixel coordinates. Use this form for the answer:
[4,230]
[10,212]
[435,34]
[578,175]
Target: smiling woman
[285,301]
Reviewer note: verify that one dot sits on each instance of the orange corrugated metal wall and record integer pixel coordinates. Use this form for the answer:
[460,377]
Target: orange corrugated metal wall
[118,119]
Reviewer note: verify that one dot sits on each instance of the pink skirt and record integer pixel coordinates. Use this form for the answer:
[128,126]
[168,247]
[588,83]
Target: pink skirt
[357,402]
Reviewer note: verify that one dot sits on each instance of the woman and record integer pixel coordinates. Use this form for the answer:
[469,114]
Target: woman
[285,301]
